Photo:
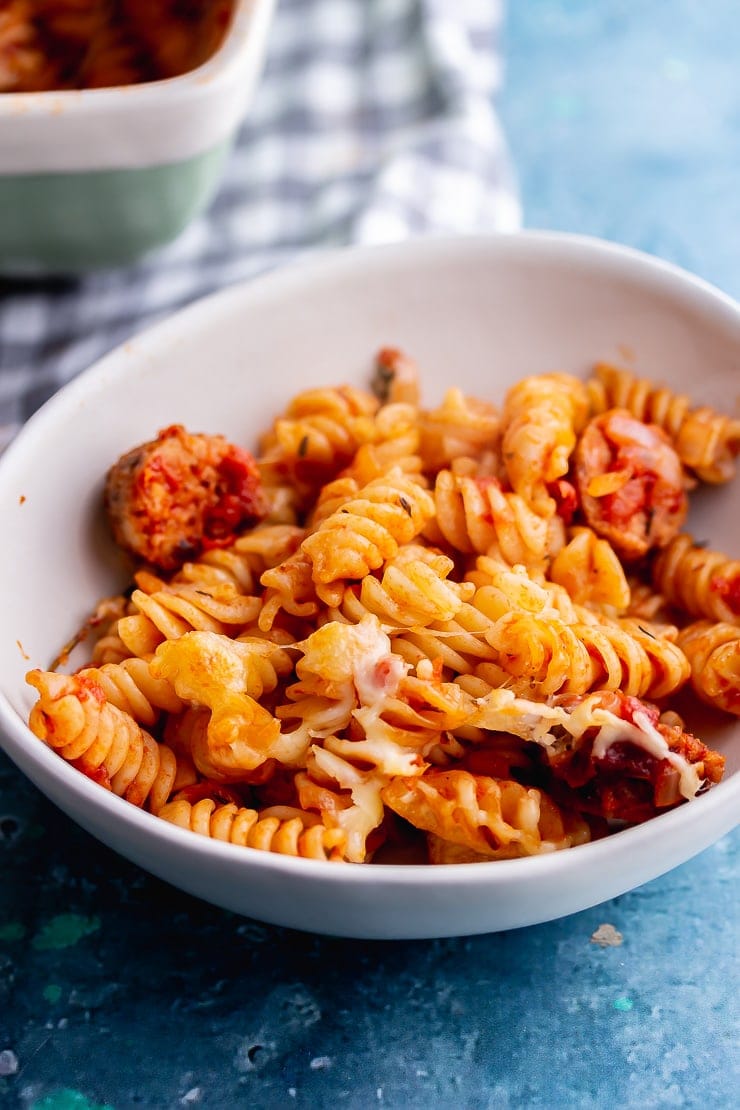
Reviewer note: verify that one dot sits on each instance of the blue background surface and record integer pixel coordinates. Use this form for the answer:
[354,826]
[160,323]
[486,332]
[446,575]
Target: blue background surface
[624,118]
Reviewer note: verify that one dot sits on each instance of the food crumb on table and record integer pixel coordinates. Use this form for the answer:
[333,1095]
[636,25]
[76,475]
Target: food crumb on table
[606,936]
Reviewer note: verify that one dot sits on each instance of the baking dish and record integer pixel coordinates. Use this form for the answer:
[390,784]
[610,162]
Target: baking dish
[98,177]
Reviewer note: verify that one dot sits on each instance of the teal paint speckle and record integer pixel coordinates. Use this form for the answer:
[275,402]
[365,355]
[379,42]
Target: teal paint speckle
[623,1004]
[64,930]
[52,993]
[12,931]
[67,1099]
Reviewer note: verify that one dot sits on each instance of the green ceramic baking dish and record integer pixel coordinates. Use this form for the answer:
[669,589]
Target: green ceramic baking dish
[99,177]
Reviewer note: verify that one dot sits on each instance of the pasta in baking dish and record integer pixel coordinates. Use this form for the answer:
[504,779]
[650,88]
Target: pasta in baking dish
[450,634]
[85,44]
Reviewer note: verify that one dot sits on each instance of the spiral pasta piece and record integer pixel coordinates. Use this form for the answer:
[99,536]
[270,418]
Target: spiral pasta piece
[706,441]
[221,566]
[590,570]
[268,545]
[110,648]
[186,733]
[397,443]
[668,668]
[497,819]
[282,829]
[365,532]
[131,687]
[319,434]
[322,428]
[474,515]
[333,496]
[537,657]
[228,677]
[413,590]
[461,644]
[289,588]
[166,611]
[312,709]
[73,716]
[713,651]
[460,426]
[343,666]
[541,418]
[701,582]
[547,656]
[501,589]
[456,645]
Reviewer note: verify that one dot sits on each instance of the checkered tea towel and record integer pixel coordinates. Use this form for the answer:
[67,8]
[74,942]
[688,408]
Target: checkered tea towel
[374,121]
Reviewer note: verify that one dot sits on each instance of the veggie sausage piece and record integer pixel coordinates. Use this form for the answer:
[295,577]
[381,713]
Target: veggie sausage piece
[631,483]
[182,493]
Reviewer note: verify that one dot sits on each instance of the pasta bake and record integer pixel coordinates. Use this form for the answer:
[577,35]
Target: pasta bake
[452,634]
[83,44]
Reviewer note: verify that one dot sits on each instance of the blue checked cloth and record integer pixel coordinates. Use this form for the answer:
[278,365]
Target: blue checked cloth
[374,121]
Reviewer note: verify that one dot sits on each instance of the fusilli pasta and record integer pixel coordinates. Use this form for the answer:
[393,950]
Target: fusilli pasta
[541,420]
[291,832]
[703,583]
[74,717]
[402,630]
[713,652]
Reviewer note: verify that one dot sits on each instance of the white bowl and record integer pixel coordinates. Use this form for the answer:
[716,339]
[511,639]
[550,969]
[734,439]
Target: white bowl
[479,313]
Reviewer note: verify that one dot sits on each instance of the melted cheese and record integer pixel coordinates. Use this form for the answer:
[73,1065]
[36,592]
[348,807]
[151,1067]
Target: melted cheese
[501,711]
[641,732]
[376,670]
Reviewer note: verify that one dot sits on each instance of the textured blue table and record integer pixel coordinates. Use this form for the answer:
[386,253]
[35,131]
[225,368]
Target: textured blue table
[117,991]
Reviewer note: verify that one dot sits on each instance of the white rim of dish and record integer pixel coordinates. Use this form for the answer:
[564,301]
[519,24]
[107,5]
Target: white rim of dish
[631,841]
